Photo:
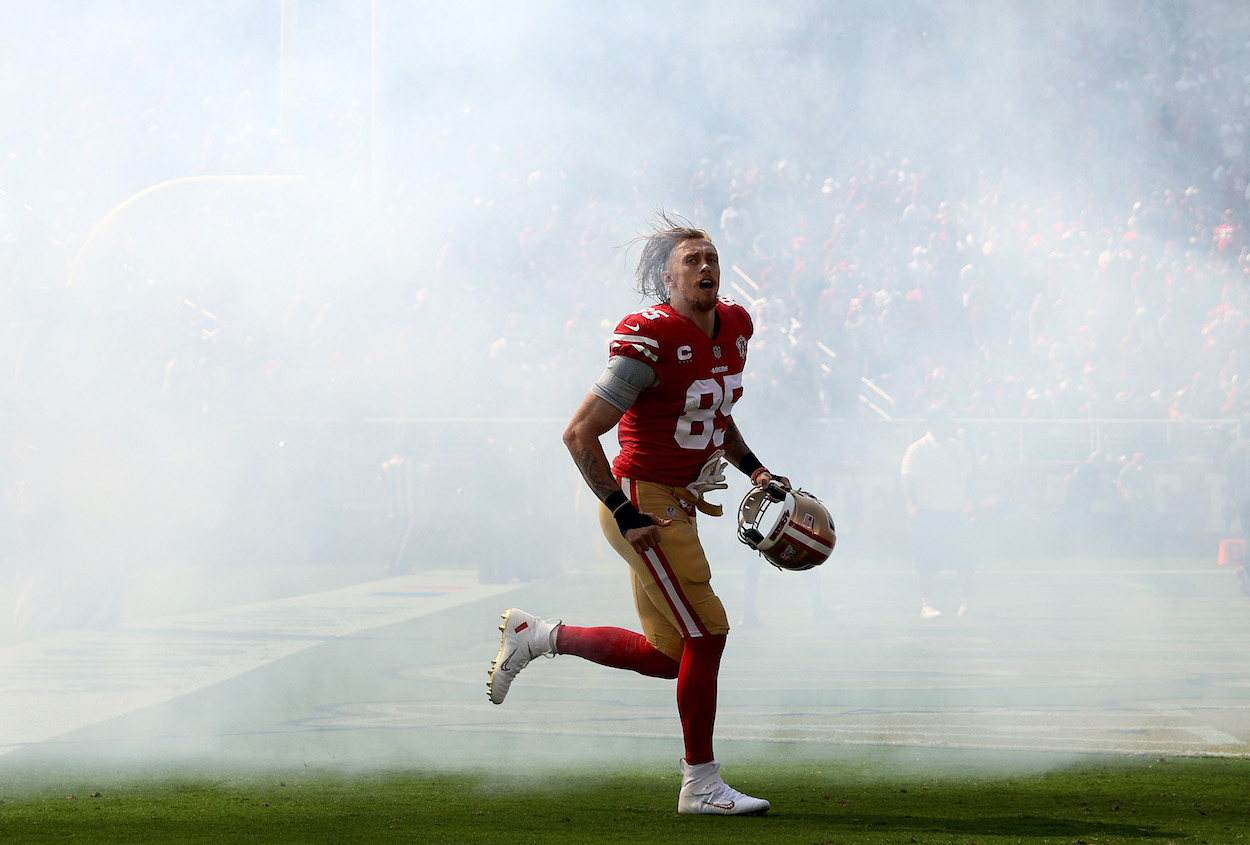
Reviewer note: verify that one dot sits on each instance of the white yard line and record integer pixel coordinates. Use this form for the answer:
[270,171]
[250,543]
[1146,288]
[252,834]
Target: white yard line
[1135,731]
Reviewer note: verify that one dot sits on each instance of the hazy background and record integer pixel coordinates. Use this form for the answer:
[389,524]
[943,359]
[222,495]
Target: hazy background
[306,288]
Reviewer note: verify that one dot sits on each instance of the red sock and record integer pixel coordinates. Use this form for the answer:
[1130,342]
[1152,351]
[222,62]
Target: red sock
[617,648]
[696,695]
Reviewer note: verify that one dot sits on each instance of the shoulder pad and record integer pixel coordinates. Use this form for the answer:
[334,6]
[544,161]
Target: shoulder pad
[635,336]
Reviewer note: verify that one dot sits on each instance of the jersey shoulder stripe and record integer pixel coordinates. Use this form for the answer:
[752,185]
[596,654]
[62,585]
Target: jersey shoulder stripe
[641,334]
[622,344]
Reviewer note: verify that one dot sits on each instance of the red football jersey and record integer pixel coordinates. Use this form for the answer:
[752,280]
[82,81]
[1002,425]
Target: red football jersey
[669,432]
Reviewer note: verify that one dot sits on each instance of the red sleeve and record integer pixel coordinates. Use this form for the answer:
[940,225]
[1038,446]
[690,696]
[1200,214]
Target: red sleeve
[638,336]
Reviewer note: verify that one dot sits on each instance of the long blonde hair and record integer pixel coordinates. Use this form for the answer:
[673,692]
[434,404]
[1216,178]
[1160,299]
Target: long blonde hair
[667,231]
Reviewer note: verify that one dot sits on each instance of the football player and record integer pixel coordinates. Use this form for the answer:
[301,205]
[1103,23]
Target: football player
[673,376]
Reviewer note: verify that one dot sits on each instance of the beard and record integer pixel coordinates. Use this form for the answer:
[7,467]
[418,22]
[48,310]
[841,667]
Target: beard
[704,299]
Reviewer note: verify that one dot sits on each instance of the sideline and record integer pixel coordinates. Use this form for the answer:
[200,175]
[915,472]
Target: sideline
[70,680]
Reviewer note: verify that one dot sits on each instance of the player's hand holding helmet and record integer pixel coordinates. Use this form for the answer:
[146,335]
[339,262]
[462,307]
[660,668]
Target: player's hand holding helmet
[761,477]
[711,477]
[790,528]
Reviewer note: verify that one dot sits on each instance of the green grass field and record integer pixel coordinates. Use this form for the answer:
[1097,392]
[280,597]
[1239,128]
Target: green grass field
[938,797]
[1083,704]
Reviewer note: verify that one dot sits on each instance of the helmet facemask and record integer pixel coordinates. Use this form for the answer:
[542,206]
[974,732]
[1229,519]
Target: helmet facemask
[791,529]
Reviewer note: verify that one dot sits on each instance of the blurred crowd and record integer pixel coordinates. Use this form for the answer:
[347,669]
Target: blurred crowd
[993,300]
[1103,289]
[1108,289]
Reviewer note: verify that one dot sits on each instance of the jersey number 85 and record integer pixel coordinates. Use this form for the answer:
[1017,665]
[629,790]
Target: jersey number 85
[705,398]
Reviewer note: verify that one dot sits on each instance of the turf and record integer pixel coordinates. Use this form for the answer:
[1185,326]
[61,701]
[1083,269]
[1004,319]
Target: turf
[936,798]
[903,733]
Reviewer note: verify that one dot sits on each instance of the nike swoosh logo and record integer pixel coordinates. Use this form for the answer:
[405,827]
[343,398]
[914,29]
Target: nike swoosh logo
[728,806]
[632,328]
[504,665]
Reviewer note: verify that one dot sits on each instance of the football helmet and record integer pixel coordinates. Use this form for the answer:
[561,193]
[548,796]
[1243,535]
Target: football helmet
[790,528]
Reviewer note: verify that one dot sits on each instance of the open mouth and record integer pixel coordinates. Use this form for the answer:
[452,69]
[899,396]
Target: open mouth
[707,284]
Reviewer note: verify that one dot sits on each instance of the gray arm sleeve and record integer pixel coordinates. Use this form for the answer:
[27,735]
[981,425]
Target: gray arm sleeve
[622,381]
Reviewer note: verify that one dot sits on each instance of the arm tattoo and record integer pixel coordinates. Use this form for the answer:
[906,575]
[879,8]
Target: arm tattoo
[593,418]
[596,472]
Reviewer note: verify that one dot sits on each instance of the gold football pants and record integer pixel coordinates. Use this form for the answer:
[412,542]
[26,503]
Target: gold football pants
[672,581]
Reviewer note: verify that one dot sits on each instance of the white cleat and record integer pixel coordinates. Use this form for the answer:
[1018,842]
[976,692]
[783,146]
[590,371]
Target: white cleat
[524,637]
[703,791]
